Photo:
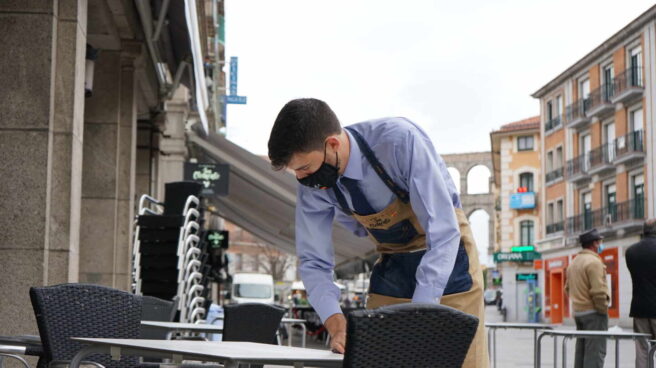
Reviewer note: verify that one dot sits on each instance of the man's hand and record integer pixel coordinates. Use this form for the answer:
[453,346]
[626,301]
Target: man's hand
[336,326]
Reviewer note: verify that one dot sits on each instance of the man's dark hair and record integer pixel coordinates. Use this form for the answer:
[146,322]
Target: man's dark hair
[649,227]
[301,126]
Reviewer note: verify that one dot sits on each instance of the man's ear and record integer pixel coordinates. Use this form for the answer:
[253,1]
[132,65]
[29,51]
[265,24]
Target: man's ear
[333,142]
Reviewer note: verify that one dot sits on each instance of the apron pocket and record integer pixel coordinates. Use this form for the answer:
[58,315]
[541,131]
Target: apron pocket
[460,279]
[395,274]
[401,233]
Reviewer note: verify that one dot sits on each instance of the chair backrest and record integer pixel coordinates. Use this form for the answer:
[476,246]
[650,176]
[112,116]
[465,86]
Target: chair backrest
[80,310]
[252,322]
[408,335]
[156,309]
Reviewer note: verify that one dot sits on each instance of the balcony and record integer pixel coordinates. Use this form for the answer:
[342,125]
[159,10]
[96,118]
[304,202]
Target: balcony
[554,175]
[628,85]
[576,113]
[553,124]
[627,215]
[630,148]
[601,158]
[578,167]
[600,101]
[555,227]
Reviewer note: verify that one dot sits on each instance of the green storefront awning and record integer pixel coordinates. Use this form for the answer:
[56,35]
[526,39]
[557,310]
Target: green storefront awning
[516,256]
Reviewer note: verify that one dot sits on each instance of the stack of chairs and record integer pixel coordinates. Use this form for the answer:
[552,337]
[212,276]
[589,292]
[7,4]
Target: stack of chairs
[170,252]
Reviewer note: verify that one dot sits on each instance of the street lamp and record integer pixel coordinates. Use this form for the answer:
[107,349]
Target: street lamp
[90,60]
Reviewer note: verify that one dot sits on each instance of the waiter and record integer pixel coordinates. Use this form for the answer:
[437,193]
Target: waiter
[382,179]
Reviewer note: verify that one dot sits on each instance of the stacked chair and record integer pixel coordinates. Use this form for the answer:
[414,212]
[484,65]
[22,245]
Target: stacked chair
[170,252]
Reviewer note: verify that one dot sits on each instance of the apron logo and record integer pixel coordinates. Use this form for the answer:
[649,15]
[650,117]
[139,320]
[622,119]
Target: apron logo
[378,222]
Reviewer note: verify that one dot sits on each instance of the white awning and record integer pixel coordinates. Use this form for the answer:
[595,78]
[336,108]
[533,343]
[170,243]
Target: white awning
[263,201]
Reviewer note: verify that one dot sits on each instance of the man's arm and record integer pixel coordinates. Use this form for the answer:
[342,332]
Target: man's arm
[314,219]
[433,205]
[598,288]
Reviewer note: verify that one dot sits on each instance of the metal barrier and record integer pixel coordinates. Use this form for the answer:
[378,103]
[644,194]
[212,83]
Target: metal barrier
[492,336]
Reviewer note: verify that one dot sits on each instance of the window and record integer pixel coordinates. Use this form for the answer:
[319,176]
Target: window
[559,211]
[550,214]
[526,232]
[586,210]
[608,76]
[525,143]
[559,157]
[584,89]
[585,147]
[609,139]
[635,63]
[550,114]
[638,194]
[559,106]
[635,120]
[526,181]
[611,203]
[550,161]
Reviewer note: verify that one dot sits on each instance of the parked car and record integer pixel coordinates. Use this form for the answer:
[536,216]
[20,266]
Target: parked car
[490,297]
[252,288]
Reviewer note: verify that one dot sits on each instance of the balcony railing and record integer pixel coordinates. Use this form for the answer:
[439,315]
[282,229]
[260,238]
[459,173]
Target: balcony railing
[630,146]
[602,157]
[578,166]
[600,99]
[628,84]
[554,175]
[576,112]
[553,124]
[555,227]
[618,213]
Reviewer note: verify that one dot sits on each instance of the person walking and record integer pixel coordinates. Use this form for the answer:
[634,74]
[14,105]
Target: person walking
[641,260]
[382,179]
[587,289]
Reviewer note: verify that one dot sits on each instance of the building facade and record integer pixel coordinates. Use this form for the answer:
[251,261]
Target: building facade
[516,152]
[597,128]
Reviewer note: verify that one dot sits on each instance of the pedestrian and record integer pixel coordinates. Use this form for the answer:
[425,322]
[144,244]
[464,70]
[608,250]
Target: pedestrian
[587,289]
[382,179]
[640,259]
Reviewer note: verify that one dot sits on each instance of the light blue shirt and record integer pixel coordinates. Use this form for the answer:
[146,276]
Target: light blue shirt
[408,156]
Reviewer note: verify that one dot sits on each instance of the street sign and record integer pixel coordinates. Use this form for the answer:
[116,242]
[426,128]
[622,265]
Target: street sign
[218,239]
[526,276]
[234,66]
[521,201]
[241,100]
[516,256]
[523,248]
[213,177]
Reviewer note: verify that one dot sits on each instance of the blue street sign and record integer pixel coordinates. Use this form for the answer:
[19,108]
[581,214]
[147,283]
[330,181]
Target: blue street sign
[241,100]
[234,66]
[520,201]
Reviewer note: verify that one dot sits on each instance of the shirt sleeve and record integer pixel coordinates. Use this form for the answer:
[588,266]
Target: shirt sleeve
[314,248]
[433,205]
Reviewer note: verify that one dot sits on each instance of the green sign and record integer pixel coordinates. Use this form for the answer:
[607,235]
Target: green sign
[523,248]
[218,239]
[516,256]
[526,276]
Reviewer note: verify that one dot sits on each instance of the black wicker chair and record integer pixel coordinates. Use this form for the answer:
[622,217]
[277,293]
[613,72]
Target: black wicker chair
[408,335]
[252,322]
[79,310]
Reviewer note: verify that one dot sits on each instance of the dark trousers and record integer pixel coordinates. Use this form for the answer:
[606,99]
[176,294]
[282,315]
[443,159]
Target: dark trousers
[590,353]
[648,326]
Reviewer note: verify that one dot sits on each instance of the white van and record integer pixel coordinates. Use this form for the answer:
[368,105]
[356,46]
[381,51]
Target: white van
[252,288]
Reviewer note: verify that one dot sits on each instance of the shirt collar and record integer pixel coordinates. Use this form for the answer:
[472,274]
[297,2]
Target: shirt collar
[354,166]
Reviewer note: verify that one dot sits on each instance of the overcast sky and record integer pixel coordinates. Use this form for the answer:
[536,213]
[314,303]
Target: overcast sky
[459,69]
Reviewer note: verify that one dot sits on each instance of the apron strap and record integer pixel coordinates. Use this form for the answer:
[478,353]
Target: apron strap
[378,167]
[342,201]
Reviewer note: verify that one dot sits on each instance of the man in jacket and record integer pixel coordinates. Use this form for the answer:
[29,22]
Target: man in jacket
[640,259]
[587,289]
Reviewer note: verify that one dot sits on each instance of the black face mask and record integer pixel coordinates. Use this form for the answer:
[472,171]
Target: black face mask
[325,177]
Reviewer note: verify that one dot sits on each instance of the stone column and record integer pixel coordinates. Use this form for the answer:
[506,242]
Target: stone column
[109,170]
[41,127]
[172,146]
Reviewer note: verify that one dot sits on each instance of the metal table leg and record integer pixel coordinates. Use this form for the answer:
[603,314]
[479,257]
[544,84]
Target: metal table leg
[85,352]
[489,344]
[290,330]
[304,330]
[494,333]
[650,355]
[617,353]
[535,344]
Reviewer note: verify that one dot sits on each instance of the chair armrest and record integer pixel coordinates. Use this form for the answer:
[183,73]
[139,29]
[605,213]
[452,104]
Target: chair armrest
[66,363]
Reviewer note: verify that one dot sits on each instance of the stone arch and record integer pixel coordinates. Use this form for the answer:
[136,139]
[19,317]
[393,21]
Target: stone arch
[475,182]
[455,177]
[480,222]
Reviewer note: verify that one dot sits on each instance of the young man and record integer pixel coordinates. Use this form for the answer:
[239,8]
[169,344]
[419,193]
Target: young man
[587,289]
[382,179]
[640,259]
